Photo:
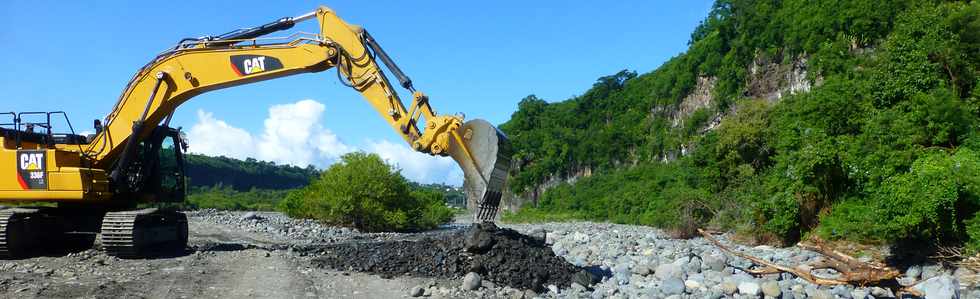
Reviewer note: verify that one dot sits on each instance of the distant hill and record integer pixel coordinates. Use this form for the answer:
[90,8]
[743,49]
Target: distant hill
[206,171]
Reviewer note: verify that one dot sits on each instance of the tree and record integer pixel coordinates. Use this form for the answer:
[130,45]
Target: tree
[364,192]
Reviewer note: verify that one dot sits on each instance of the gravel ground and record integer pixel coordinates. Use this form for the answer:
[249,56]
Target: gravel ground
[268,255]
[644,262]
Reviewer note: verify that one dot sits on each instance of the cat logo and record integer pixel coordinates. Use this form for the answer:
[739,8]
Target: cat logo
[31,169]
[31,161]
[245,65]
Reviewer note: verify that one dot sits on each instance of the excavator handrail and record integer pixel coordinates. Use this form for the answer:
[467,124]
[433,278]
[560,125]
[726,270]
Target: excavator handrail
[301,35]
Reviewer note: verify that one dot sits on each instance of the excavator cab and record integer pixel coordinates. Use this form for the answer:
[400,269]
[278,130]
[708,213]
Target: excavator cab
[157,171]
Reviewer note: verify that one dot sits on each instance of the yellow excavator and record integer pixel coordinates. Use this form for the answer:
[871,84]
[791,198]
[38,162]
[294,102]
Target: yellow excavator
[96,181]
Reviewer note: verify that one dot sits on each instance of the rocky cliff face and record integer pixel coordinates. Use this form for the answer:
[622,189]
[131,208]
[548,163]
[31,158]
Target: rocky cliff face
[767,79]
[700,98]
[772,80]
[513,202]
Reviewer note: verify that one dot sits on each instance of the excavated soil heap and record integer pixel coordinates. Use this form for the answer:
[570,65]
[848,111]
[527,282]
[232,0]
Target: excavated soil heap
[502,256]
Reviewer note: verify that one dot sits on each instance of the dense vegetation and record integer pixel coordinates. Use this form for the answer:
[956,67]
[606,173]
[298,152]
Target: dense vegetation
[227,198]
[884,148]
[364,192]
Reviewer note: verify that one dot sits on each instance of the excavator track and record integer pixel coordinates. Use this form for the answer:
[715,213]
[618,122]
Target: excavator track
[23,231]
[120,235]
[133,234]
[6,216]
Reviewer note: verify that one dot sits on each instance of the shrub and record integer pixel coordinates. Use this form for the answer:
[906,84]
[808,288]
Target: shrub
[973,234]
[364,192]
[932,201]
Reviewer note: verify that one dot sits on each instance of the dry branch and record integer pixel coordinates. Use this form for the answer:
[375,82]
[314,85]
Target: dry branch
[852,271]
[957,257]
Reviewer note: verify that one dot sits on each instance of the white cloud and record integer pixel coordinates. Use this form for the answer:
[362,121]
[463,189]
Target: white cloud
[417,166]
[215,137]
[292,131]
[294,134]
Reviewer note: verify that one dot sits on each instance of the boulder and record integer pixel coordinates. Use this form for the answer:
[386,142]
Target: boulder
[729,287]
[642,269]
[714,262]
[691,285]
[416,291]
[665,271]
[471,281]
[771,289]
[749,288]
[251,216]
[672,286]
[940,287]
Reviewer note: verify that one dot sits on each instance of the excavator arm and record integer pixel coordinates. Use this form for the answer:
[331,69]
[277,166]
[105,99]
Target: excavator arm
[204,64]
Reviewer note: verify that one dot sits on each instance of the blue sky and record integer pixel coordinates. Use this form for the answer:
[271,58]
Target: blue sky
[478,58]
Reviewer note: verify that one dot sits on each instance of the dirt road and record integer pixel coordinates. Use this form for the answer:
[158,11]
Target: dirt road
[226,262]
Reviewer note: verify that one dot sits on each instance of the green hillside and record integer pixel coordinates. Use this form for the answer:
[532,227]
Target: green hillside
[878,144]
[206,171]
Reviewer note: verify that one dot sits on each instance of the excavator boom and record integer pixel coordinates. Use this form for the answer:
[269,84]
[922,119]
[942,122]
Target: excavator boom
[482,151]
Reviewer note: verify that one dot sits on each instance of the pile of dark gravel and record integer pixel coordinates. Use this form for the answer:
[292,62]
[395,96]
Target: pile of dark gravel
[502,256]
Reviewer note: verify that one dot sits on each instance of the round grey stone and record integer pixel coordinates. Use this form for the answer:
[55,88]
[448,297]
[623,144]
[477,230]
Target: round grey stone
[691,286]
[816,293]
[665,271]
[859,294]
[714,293]
[749,288]
[880,292]
[471,281]
[841,292]
[729,287]
[694,266]
[940,287]
[416,291]
[538,234]
[672,286]
[714,262]
[771,289]
[642,269]
[251,216]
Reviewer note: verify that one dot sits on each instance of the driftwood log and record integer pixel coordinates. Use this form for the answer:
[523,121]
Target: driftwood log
[852,271]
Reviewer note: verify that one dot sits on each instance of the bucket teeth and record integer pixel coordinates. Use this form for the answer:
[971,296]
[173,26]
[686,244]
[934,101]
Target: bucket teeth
[490,203]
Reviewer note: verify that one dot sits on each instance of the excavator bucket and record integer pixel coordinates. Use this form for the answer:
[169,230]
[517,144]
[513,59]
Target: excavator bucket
[483,152]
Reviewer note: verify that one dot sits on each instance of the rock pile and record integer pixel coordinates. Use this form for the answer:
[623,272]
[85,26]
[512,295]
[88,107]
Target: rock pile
[501,256]
[278,226]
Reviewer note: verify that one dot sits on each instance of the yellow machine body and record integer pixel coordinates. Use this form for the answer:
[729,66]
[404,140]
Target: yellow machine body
[83,171]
